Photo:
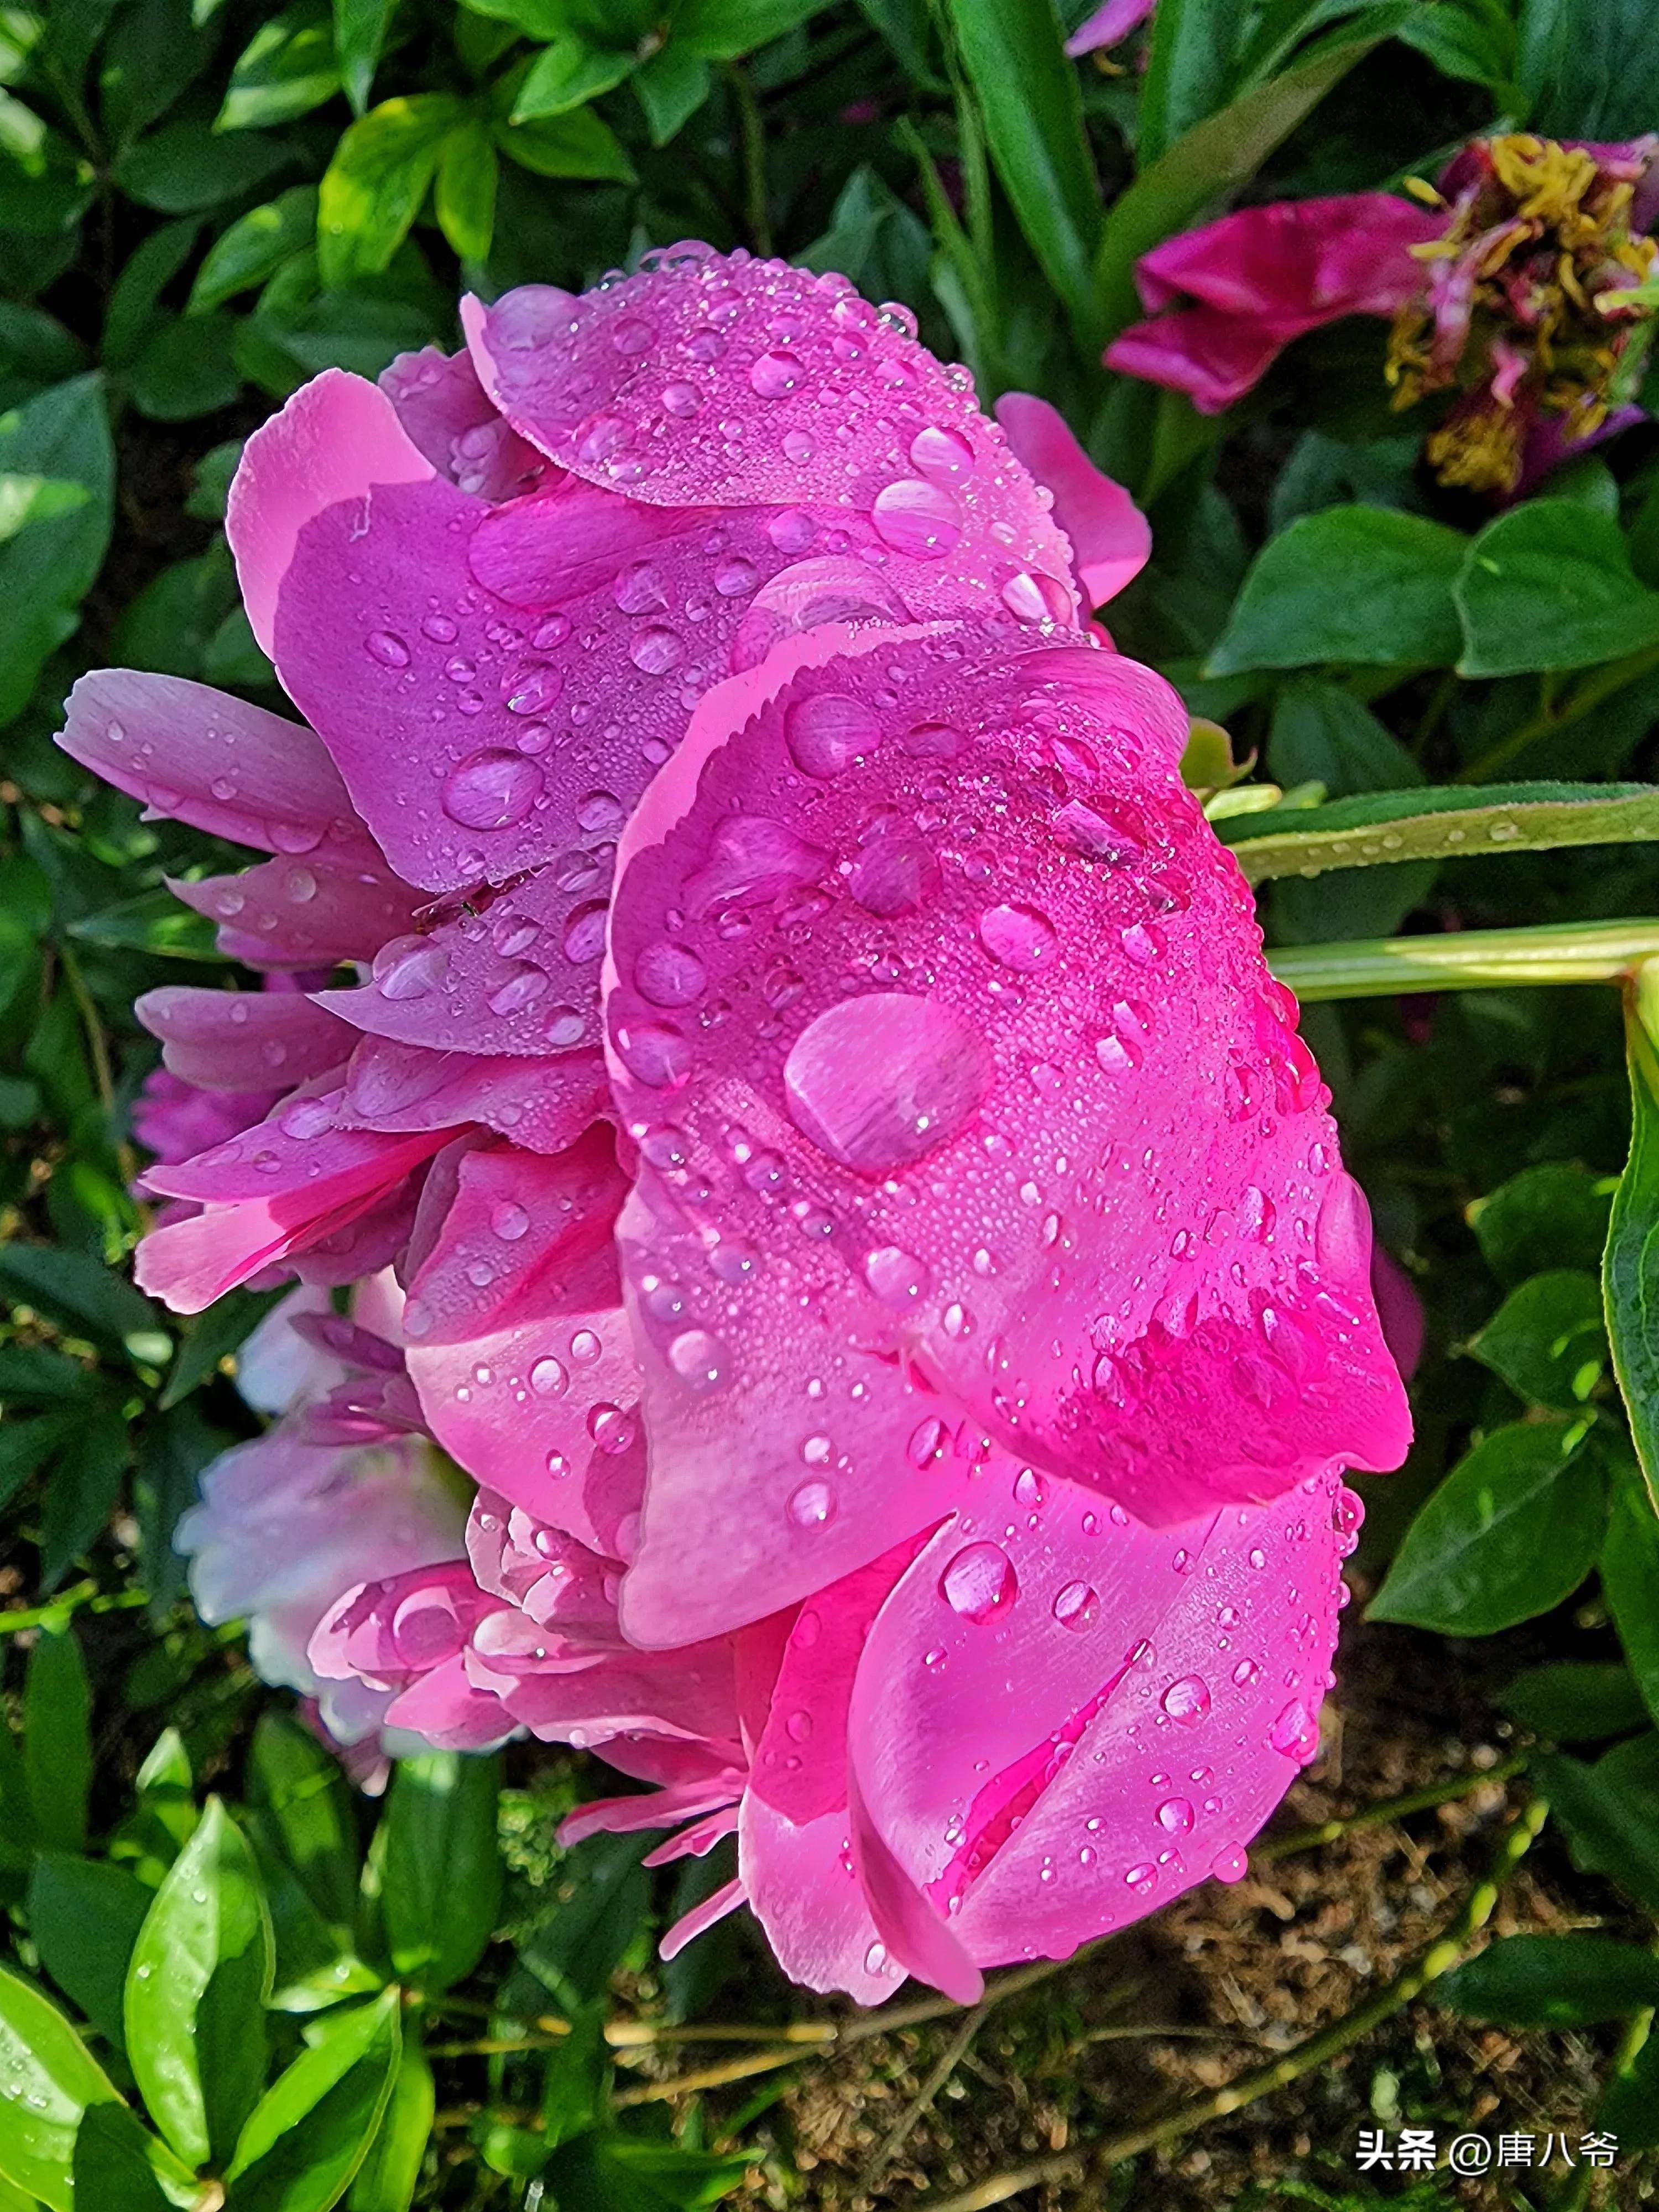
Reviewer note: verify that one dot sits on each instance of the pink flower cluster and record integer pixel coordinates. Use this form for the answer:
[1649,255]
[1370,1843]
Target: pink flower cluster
[869,1226]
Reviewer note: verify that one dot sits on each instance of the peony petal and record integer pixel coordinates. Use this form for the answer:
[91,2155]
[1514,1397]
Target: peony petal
[447,414]
[621,385]
[804,1889]
[541,1104]
[652,1809]
[1004,1126]
[700,1919]
[1062,1718]
[914,1935]
[237,1040]
[1214,357]
[308,913]
[1111,539]
[338,442]
[1108,26]
[202,757]
[1297,263]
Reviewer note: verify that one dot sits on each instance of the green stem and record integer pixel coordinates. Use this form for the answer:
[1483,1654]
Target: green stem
[1550,719]
[1307,2057]
[1383,1815]
[752,137]
[1278,841]
[1467,960]
[58,1610]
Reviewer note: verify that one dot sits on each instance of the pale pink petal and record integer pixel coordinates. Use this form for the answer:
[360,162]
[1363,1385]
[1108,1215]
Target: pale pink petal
[239,1040]
[444,409]
[1111,539]
[444,1708]
[541,1104]
[652,1809]
[914,1935]
[306,912]
[204,757]
[696,1841]
[1005,1129]
[338,442]
[1108,26]
[804,1889]
[1062,1720]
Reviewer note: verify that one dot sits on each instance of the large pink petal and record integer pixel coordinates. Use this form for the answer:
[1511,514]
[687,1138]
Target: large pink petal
[306,913]
[1003,1125]
[717,381]
[1063,1718]
[1111,539]
[204,757]
[236,1040]
[1297,263]
[338,442]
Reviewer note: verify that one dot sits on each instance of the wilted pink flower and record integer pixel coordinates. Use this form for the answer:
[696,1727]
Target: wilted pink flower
[1512,288]
[1226,299]
[816,1073]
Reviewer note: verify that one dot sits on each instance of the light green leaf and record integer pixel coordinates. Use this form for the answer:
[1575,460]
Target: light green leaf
[51,2078]
[119,2167]
[1630,1581]
[288,67]
[1364,585]
[304,1797]
[374,186]
[360,29]
[389,2176]
[312,2129]
[463,200]
[567,73]
[1513,1529]
[75,1288]
[577,146]
[723,30]
[1550,584]
[255,247]
[670,88]
[1028,94]
[1188,70]
[44,572]
[1630,1266]
[195,1995]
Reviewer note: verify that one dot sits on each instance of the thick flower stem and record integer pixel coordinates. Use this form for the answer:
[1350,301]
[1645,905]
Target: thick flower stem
[1467,960]
[1318,2050]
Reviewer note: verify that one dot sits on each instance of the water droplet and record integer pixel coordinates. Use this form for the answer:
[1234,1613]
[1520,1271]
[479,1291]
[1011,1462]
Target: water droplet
[702,1361]
[926,1441]
[941,453]
[980,1582]
[492,791]
[656,650]
[1231,1863]
[917,519]
[878,1081]
[897,1277]
[1187,1700]
[387,647]
[813,1505]
[549,1378]
[1295,1734]
[1176,1813]
[509,1220]
[1020,936]
[827,732]
[798,1726]
[1142,1878]
[669,975]
[1077,1606]
[776,375]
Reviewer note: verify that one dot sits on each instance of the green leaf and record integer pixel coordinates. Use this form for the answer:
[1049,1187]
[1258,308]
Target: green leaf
[288,67]
[302,1792]
[1576,1700]
[1028,94]
[1550,584]
[1322,734]
[639,2173]
[185,166]
[46,572]
[195,1995]
[57,1739]
[1630,1583]
[578,146]
[255,248]
[27,1446]
[604,1895]
[576,2080]
[164,1818]
[1610,1813]
[84,1918]
[1451,821]
[119,2167]
[1188,70]
[1365,585]
[374,186]
[360,29]
[1548,1340]
[1213,159]
[566,75]
[1551,1981]
[154,922]
[443,1869]
[1630,1266]
[74,1288]
[187,368]
[17,1838]
[1512,1530]
[156,48]
[671,88]
[312,2129]
[1629,2110]
[1590,68]
[51,2079]
[724,30]
[213,1336]
[1554,1215]
[387,2178]
[463,200]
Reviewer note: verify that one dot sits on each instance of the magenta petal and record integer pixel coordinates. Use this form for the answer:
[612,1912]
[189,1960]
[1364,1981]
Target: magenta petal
[204,757]
[1297,263]
[915,1936]
[236,1040]
[1214,357]
[1170,1685]
[447,414]
[804,1889]
[1111,539]
[1003,1108]
[337,442]
[1108,26]
[543,1104]
[700,1918]
[306,912]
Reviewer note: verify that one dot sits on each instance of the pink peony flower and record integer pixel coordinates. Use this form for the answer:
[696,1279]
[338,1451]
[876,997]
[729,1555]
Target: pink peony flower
[1108,26]
[814,1073]
[1510,288]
